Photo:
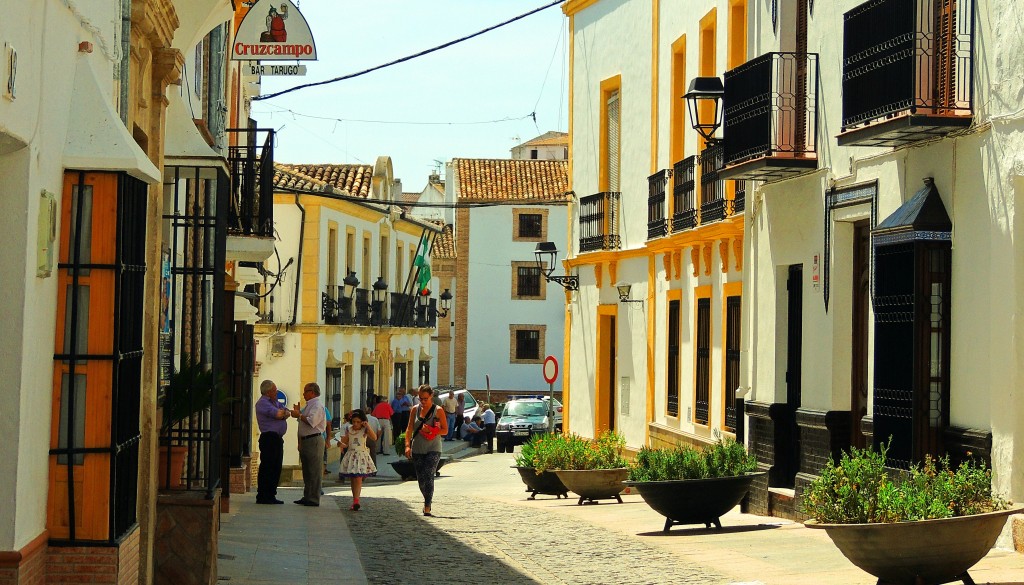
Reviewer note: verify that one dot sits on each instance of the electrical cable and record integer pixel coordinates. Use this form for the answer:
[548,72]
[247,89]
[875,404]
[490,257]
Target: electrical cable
[463,205]
[282,110]
[406,58]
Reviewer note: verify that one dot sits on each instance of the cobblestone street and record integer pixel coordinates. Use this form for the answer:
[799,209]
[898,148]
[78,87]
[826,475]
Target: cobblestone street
[485,530]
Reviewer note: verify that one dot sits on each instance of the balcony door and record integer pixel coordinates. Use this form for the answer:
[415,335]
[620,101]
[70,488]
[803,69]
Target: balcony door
[859,381]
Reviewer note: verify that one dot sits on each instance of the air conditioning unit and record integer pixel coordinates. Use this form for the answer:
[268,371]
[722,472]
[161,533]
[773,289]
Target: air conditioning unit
[277,345]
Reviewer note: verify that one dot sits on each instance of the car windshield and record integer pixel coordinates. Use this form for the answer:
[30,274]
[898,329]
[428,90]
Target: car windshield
[470,401]
[525,409]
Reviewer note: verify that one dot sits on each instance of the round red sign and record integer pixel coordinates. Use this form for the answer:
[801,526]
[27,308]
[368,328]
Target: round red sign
[550,369]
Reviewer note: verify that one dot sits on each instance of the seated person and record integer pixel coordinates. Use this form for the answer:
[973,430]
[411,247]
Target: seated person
[473,431]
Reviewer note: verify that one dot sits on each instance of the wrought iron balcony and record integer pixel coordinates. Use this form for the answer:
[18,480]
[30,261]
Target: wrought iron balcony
[907,71]
[712,188]
[771,117]
[336,309]
[684,214]
[251,212]
[657,221]
[599,222]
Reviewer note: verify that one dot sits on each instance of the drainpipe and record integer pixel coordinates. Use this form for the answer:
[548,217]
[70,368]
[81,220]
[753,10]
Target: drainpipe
[298,265]
[126,51]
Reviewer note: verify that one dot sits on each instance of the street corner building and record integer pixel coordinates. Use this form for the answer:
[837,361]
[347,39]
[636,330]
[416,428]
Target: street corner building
[131,202]
[349,300]
[827,254]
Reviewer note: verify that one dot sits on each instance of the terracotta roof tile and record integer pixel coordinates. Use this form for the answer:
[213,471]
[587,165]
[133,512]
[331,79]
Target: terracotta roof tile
[444,244]
[506,179]
[560,138]
[355,179]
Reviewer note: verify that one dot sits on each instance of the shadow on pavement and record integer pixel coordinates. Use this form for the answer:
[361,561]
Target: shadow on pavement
[698,530]
[397,544]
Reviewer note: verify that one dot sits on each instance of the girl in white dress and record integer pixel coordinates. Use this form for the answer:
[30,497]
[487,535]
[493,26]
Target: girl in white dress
[357,462]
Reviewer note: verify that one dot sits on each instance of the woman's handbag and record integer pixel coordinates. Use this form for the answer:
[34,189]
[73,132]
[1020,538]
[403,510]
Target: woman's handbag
[429,432]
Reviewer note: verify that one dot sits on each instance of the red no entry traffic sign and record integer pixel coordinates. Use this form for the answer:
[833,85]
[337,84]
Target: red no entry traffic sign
[550,369]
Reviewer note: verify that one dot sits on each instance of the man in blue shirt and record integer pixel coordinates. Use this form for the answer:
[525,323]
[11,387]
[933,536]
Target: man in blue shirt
[270,416]
[401,406]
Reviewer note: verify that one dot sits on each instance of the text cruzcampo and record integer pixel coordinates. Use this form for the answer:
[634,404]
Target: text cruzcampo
[273,49]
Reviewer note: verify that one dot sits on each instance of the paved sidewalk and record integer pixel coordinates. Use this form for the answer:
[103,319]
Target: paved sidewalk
[298,545]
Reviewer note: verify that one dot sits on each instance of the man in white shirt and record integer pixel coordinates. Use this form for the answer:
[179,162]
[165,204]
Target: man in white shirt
[371,444]
[312,426]
[450,405]
[490,424]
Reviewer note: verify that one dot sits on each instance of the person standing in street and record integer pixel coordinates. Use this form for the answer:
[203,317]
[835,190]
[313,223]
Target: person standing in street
[270,417]
[400,405]
[490,424]
[312,425]
[371,442]
[384,412]
[460,414]
[427,425]
[450,406]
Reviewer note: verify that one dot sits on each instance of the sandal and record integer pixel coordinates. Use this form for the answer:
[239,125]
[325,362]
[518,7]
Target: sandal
[354,507]
[426,511]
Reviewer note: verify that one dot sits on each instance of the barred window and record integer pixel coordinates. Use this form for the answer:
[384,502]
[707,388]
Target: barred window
[528,284]
[530,225]
[527,344]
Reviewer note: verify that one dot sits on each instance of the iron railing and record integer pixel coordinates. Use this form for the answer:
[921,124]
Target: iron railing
[657,220]
[252,190]
[198,209]
[599,222]
[712,187]
[739,199]
[911,56]
[770,107]
[684,208]
[336,309]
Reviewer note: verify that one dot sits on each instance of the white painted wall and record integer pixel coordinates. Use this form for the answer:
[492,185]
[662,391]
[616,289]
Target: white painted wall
[32,132]
[977,175]
[492,309]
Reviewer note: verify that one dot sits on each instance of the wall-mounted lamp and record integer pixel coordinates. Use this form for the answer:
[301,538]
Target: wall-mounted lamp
[547,253]
[705,119]
[446,301]
[624,288]
[350,283]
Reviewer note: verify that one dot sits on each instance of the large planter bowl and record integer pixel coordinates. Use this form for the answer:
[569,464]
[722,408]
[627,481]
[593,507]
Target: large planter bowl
[594,484]
[545,483]
[926,551]
[694,501]
[405,469]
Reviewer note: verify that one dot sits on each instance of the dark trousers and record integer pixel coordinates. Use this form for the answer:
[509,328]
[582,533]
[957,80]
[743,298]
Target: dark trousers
[398,423]
[489,429]
[271,455]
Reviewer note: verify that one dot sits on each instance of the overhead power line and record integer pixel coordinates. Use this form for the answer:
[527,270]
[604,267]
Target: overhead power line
[409,57]
[284,110]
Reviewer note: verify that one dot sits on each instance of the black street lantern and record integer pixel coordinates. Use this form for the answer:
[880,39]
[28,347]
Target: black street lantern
[705,119]
[446,302]
[380,289]
[547,254]
[351,283]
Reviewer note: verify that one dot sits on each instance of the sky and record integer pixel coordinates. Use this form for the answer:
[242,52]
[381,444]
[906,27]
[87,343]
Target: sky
[504,74]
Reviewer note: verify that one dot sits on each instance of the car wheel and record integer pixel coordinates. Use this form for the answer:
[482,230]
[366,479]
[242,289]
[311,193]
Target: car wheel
[501,446]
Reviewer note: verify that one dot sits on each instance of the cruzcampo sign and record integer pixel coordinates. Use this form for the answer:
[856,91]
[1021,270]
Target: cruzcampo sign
[273,30]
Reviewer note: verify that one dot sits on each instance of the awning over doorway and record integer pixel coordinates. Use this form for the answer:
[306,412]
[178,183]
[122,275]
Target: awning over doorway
[184,145]
[922,217]
[97,140]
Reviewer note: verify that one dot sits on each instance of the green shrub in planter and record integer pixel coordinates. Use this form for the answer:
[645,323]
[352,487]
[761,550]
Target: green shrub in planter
[726,458]
[573,453]
[400,444]
[859,490]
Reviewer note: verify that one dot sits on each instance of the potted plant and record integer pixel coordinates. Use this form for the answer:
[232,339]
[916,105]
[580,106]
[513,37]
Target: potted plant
[693,485]
[538,482]
[592,468]
[190,390]
[926,526]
